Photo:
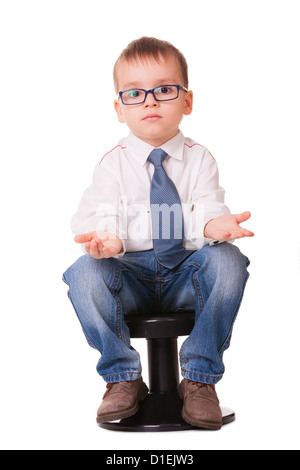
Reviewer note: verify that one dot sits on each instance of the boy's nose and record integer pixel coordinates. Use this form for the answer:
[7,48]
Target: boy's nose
[150,100]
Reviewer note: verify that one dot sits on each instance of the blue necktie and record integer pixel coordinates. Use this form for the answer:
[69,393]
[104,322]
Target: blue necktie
[166,213]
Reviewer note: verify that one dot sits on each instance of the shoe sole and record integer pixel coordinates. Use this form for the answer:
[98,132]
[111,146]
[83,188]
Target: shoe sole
[201,424]
[126,414]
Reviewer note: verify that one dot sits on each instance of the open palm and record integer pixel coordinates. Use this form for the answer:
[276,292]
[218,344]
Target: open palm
[100,244]
[227,227]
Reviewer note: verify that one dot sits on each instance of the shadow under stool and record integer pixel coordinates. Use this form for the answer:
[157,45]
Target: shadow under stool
[161,410]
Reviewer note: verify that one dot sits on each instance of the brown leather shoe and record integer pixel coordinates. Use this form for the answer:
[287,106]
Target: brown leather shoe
[200,405]
[121,400]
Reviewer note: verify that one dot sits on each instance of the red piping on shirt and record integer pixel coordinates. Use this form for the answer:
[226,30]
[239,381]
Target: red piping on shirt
[191,146]
[110,152]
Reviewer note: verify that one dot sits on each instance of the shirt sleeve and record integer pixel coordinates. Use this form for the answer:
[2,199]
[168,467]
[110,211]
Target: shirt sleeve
[100,207]
[207,202]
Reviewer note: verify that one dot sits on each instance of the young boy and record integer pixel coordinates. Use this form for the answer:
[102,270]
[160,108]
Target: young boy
[155,232]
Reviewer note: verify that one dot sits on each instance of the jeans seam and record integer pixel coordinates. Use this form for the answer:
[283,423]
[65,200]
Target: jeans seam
[112,289]
[199,292]
[203,375]
[157,286]
[122,373]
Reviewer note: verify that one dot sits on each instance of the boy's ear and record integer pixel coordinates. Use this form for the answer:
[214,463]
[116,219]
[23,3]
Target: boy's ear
[119,112]
[188,107]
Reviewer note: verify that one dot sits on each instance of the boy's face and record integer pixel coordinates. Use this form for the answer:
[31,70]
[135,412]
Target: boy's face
[153,121]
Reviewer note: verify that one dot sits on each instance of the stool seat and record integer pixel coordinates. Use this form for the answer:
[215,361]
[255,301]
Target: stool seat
[167,325]
[161,410]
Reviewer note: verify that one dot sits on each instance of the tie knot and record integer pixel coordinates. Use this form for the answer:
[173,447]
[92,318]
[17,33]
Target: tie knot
[157,156]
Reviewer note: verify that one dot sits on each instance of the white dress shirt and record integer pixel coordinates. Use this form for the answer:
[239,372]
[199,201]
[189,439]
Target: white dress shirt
[118,201]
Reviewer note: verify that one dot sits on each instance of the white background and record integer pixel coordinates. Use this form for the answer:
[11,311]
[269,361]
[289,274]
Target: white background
[57,120]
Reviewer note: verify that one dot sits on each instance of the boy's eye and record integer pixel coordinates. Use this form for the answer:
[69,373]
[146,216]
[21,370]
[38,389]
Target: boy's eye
[163,90]
[133,94]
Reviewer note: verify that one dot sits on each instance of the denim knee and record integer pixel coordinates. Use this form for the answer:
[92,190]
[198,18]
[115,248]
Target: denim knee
[223,266]
[87,274]
[227,259]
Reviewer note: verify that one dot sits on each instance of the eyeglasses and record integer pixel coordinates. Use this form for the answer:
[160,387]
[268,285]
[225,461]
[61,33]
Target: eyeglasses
[160,93]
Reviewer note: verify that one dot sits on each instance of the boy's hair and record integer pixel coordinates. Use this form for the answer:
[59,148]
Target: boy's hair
[146,47]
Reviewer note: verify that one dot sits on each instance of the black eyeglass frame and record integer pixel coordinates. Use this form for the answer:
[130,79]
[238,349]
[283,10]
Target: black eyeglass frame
[179,87]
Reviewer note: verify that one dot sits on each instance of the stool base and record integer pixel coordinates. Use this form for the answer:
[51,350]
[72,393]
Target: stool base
[159,413]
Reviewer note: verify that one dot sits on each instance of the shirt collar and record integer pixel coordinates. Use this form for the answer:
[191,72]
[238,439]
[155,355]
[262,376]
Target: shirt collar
[140,150]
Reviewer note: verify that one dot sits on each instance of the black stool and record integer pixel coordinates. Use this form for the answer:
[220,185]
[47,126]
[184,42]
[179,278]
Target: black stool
[161,410]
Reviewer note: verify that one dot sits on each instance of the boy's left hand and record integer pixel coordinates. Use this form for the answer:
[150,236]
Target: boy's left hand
[226,227]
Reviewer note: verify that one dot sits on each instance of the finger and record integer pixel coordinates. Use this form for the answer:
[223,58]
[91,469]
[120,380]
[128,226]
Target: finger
[106,252]
[248,233]
[242,234]
[84,237]
[94,250]
[99,243]
[243,217]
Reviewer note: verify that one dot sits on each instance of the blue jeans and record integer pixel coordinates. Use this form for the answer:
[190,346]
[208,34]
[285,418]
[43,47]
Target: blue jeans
[211,281]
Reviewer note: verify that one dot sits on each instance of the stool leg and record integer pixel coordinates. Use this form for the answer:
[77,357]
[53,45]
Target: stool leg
[163,365]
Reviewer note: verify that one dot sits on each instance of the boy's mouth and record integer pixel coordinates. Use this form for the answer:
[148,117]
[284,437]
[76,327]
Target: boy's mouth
[152,117]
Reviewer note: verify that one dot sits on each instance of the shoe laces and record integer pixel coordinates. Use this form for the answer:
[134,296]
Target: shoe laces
[202,385]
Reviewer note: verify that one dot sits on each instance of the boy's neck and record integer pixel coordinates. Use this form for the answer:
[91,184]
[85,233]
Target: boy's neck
[159,141]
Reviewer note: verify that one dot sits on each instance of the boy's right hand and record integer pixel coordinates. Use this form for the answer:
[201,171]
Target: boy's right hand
[100,244]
